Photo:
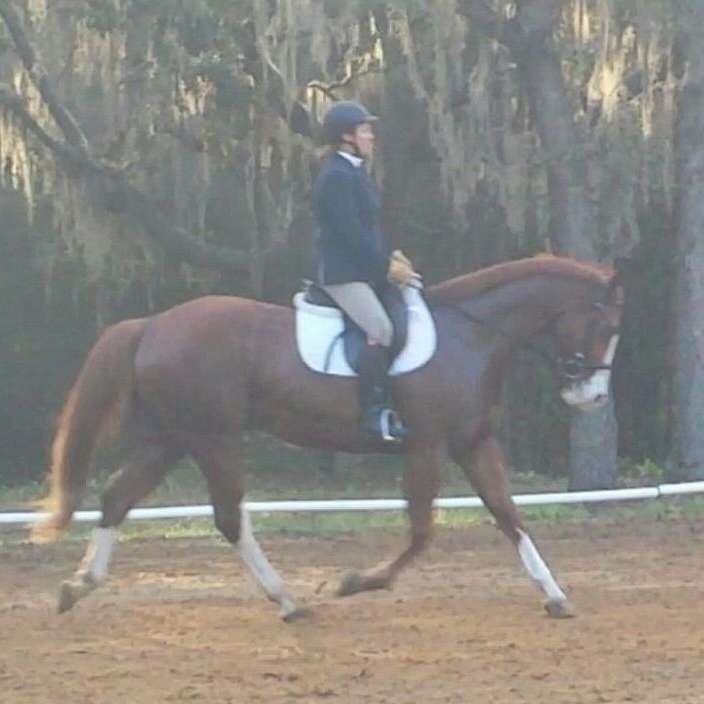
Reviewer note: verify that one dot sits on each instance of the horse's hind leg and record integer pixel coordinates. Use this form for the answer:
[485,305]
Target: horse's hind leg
[421,484]
[488,477]
[125,488]
[222,468]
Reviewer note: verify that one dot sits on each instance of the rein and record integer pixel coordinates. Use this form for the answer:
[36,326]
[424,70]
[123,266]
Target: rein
[572,368]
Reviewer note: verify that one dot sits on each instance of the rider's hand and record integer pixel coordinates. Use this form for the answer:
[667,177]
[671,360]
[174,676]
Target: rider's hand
[398,254]
[401,270]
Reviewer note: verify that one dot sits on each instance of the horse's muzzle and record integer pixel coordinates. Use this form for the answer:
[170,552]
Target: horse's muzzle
[588,395]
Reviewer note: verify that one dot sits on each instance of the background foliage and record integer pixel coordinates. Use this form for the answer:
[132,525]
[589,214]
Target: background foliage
[211,107]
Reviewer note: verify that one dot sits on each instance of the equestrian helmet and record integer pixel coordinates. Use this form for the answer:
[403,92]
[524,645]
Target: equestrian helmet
[343,117]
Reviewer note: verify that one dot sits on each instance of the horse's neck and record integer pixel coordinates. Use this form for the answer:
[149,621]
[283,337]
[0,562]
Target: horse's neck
[522,308]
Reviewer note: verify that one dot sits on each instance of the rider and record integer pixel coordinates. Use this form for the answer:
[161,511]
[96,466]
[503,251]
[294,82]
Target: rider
[355,262]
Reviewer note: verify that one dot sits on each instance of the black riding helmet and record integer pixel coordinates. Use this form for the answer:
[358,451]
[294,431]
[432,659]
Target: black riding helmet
[343,117]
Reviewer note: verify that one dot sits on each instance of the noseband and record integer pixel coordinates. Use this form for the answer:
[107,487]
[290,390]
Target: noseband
[572,368]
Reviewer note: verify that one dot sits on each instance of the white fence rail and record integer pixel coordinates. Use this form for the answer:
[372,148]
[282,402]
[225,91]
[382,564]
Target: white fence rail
[572,497]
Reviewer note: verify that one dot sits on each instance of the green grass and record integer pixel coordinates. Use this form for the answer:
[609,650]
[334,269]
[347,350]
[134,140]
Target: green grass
[278,471]
[340,523]
[285,473]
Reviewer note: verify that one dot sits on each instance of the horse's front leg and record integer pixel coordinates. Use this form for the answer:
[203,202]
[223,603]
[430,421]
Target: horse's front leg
[262,571]
[488,477]
[421,484]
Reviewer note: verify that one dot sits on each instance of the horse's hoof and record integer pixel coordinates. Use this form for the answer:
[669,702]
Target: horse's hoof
[66,597]
[298,614]
[353,583]
[560,609]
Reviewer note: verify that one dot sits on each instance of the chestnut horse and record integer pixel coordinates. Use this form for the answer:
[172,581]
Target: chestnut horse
[189,380]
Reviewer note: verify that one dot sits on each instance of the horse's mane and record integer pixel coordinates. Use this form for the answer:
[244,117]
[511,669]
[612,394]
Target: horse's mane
[475,283]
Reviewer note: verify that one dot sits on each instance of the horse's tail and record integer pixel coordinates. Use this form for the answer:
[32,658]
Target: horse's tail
[97,405]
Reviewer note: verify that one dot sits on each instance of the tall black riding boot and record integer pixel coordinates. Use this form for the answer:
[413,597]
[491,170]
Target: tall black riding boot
[377,416]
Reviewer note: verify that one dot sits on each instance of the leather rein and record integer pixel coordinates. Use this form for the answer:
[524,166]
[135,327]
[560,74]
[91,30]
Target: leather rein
[570,368]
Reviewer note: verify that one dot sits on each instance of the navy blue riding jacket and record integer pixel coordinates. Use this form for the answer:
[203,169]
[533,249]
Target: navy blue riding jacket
[351,246]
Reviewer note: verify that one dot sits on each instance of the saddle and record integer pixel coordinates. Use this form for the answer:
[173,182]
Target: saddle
[329,342]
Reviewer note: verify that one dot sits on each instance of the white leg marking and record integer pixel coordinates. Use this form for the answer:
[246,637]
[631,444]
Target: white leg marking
[97,558]
[255,559]
[537,569]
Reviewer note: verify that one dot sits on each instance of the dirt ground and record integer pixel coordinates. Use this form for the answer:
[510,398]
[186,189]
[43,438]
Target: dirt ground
[180,621]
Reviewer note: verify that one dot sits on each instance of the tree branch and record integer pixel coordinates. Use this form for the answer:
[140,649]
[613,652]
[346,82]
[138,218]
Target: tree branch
[533,22]
[329,89]
[483,16]
[15,103]
[66,122]
[76,159]
[79,164]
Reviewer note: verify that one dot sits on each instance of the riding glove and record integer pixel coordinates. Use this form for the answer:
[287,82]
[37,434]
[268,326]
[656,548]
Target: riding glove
[401,270]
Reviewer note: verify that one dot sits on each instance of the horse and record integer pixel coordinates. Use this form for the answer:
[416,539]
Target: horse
[191,379]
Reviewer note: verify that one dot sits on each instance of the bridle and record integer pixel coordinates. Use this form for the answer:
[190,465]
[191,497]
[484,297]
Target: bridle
[568,368]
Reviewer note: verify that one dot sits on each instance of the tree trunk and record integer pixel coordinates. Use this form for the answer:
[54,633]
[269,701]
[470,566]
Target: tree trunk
[573,229]
[593,436]
[688,381]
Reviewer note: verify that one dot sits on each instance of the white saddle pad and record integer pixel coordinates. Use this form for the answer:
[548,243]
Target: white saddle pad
[318,326]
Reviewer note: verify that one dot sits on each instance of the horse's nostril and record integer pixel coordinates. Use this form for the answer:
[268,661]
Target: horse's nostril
[601,398]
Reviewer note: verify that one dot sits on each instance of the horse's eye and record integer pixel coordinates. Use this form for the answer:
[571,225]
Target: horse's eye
[574,366]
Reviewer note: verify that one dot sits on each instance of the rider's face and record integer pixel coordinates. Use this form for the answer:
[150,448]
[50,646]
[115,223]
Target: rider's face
[363,139]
